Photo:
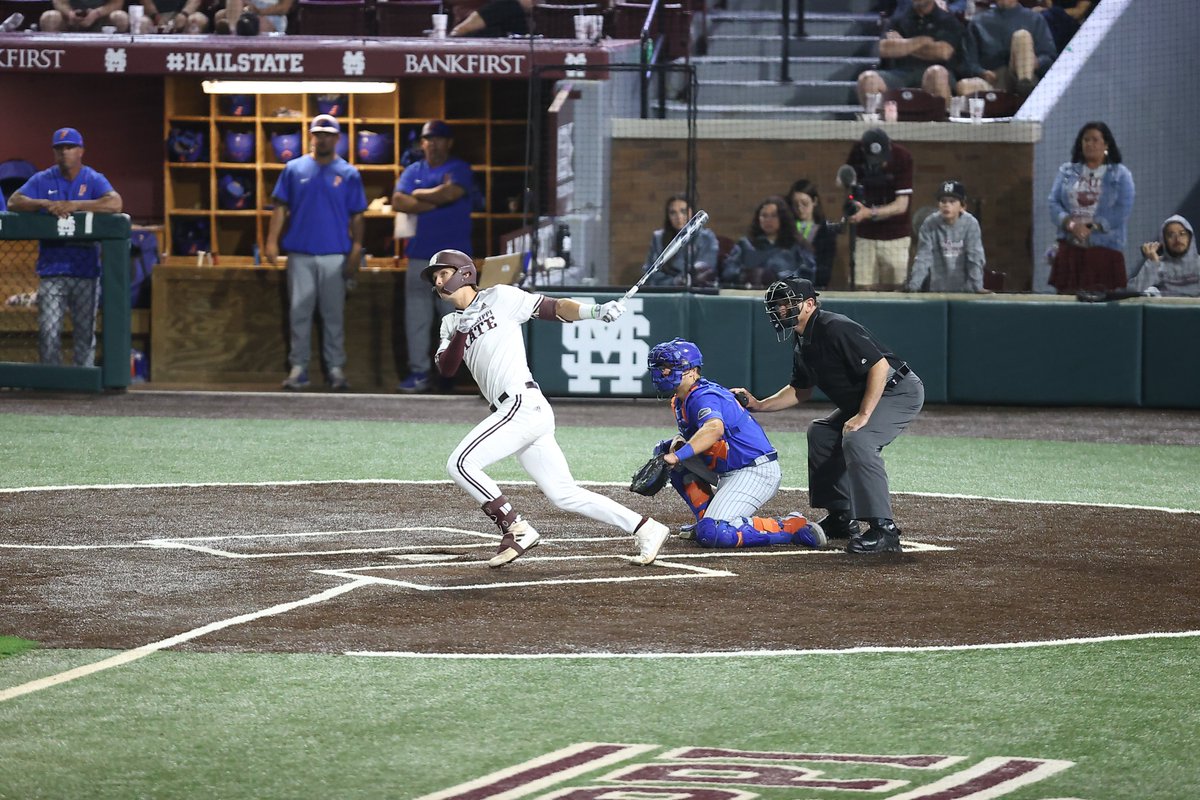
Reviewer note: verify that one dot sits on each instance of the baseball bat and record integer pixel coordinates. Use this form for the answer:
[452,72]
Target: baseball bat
[685,235]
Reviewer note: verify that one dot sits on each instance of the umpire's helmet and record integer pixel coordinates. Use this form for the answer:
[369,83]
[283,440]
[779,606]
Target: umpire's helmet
[465,272]
[783,301]
[669,360]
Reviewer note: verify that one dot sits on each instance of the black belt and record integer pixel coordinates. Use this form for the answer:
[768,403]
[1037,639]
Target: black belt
[504,397]
[900,374]
[765,458]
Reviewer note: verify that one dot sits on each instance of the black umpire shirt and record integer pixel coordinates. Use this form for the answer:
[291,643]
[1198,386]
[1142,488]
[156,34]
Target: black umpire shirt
[835,353]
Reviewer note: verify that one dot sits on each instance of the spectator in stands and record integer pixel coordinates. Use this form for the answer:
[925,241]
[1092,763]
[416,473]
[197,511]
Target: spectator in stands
[498,18]
[1170,266]
[924,45]
[1007,48]
[770,250]
[251,17]
[174,16]
[85,16]
[884,171]
[68,274]
[1064,18]
[813,229]
[703,249]
[949,246]
[437,189]
[1090,205]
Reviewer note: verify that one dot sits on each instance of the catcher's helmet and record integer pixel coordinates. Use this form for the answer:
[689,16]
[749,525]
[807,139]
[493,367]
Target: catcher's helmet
[239,105]
[235,192]
[783,300]
[239,146]
[677,356]
[185,144]
[334,105]
[373,148]
[286,146]
[465,272]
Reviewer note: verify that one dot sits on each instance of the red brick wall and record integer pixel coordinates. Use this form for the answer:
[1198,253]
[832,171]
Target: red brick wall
[733,176]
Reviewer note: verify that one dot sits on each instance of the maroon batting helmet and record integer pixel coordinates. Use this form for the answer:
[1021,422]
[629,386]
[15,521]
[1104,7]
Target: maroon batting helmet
[465,272]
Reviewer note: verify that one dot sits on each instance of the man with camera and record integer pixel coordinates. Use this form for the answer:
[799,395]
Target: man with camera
[879,208]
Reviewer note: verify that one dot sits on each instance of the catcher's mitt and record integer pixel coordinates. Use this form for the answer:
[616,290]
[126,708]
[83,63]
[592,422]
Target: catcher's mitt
[650,477]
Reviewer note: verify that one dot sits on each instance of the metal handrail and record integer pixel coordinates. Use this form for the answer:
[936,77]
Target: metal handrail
[785,26]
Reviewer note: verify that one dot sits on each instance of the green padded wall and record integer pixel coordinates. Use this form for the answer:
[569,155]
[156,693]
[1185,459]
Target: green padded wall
[722,328]
[1171,366]
[1024,353]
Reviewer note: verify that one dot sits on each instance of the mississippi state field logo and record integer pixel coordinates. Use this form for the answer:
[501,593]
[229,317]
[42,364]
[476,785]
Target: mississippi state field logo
[593,771]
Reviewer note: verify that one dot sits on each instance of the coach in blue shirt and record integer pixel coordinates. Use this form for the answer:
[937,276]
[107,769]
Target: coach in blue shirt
[68,273]
[321,198]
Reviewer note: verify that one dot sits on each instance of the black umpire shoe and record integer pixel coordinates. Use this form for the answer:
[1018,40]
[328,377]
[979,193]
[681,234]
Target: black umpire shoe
[881,537]
[839,525]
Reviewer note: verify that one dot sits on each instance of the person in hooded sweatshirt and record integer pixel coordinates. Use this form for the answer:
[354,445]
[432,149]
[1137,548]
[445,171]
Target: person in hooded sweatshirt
[949,246]
[1171,266]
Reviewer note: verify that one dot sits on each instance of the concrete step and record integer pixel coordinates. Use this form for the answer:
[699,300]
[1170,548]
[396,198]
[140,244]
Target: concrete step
[810,6]
[773,93]
[768,23]
[712,69]
[676,110]
[848,46]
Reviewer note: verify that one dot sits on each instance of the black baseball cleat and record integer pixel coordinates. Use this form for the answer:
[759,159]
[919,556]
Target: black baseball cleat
[839,525]
[881,537]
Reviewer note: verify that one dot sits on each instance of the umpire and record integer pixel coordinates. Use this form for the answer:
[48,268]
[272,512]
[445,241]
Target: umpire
[876,394]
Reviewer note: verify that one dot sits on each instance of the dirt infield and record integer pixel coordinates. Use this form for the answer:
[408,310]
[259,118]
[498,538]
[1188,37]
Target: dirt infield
[145,564]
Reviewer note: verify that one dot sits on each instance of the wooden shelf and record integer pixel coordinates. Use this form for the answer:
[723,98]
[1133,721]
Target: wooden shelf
[496,156]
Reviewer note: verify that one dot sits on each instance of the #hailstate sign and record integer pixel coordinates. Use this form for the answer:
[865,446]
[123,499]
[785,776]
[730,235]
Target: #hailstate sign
[593,771]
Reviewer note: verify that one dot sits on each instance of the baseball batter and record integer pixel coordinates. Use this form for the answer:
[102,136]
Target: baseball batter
[721,445]
[485,332]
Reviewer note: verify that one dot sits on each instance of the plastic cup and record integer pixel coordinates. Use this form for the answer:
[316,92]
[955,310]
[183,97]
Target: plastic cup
[439,25]
[136,13]
[872,102]
[957,106]
[108,29]
[581,27]
[976,105]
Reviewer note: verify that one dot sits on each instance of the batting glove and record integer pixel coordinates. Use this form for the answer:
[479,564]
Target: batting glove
[608,312]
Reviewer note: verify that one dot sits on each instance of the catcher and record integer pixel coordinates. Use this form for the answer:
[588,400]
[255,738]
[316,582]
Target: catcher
[721,464]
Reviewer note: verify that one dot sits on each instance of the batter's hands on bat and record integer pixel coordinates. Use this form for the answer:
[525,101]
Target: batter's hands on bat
[610,311]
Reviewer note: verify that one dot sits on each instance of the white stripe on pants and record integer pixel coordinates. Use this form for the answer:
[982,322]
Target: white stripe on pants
[316,282]
[524,425]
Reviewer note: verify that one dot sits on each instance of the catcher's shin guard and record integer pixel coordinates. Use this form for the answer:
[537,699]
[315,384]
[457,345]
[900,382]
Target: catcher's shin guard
[695,492]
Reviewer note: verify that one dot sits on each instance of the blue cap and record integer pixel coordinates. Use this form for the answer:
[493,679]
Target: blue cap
[68,136]
[435,127]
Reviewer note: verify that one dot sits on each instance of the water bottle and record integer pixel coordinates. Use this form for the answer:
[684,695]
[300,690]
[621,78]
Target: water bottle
[12,23]
[256,254]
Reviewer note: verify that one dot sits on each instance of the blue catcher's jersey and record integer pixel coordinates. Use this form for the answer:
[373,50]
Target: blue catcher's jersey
[744,439]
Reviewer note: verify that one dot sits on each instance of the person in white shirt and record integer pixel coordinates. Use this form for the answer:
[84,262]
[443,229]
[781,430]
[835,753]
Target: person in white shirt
[484,330]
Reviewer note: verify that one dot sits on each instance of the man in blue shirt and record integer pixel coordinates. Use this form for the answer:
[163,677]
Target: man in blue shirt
[68,273]
[437,189]
[720,445]
[321,198]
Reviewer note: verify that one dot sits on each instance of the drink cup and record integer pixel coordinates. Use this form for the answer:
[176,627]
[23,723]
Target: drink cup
[439,25]
[976,105]
[136,14]
[581,27]
[957,106]
[871,103]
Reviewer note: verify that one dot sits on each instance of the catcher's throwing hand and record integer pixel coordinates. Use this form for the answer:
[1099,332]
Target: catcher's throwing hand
[650,477]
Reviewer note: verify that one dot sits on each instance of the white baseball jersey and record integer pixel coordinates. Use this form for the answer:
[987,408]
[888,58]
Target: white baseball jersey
[495,350]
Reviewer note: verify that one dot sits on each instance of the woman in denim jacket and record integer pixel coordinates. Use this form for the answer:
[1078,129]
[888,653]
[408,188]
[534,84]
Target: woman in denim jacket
[1090,204]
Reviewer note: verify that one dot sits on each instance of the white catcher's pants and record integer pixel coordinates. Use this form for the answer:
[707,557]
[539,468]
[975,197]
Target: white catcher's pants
[524,425]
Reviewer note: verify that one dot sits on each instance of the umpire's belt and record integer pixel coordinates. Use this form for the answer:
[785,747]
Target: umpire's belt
[502,399]
[900,374]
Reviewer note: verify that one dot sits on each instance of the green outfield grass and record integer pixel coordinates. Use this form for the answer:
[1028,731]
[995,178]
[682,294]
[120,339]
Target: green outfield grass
[252,727]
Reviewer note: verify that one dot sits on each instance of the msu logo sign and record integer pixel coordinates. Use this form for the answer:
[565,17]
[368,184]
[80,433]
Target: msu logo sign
[611,353]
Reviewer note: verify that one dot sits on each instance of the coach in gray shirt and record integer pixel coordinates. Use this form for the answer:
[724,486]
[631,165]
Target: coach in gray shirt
[949,246]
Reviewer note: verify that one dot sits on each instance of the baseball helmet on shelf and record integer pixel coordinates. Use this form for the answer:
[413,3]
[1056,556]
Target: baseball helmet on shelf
[373,148]
[189,236]
[185,144]
[235,192]
[465,273]
[343,147]
[239,146]
[677,356]
[333,104]
[783,300]
[287,146]
[239,105]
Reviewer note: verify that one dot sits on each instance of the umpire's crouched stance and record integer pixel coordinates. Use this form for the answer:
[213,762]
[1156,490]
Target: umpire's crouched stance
[877,395]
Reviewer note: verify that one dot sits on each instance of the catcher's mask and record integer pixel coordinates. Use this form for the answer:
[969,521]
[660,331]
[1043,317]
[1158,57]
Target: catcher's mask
[677,356]
[784,300]
[465,272]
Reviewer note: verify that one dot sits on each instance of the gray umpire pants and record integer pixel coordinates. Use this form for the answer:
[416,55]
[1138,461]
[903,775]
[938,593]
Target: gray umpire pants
[422,308]
[846,472]
[316,282]
[58,294]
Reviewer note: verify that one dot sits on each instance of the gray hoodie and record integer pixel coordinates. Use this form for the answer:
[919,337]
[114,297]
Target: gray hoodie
[951,255]
[1172,277]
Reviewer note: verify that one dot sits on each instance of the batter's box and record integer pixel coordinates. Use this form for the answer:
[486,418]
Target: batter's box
[400,541]
[530,570]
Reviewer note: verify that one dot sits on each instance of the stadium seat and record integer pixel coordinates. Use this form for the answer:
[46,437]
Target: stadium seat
[916,105]
[406,17]
[999,104]
[332,18]
[994,280]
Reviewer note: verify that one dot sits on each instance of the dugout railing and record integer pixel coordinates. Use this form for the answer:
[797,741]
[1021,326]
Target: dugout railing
[19,367]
